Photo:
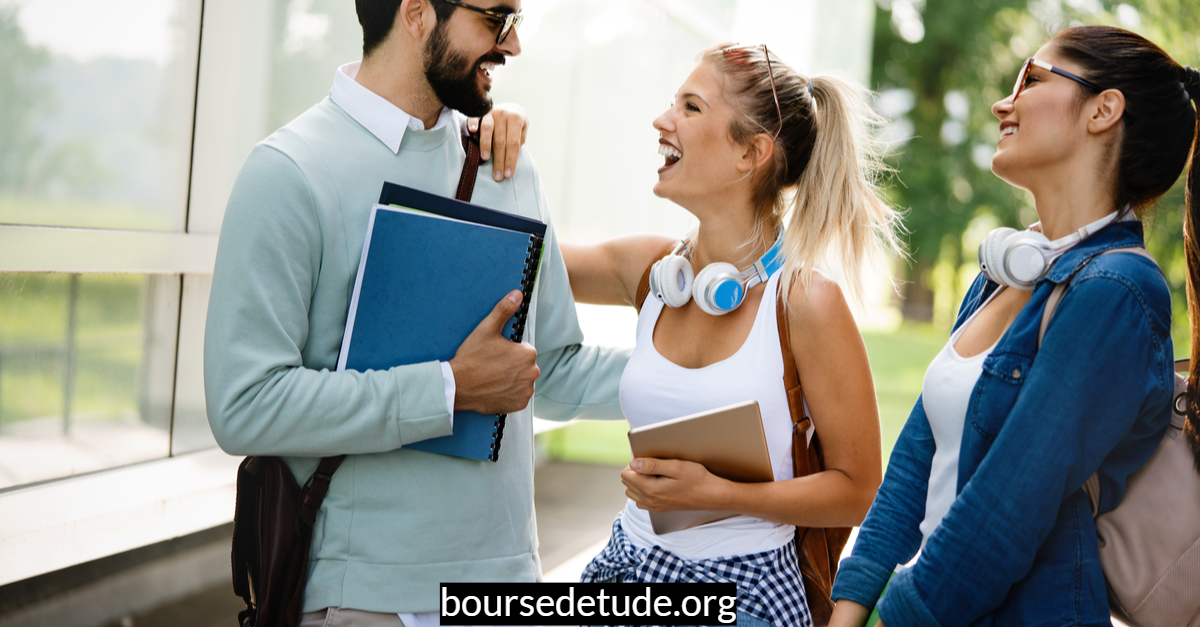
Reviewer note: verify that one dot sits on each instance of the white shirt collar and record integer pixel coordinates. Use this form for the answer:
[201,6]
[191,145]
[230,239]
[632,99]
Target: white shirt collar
[383,119]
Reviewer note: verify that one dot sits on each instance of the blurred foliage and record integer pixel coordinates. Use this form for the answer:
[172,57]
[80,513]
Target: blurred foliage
[21,98]
[946,62]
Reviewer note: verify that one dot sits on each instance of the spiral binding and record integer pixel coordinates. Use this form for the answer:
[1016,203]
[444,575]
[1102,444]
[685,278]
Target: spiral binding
[497,435]
[528,279]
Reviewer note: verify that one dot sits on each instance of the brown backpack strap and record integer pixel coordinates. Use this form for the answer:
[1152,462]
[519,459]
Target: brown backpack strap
[643,289]
[316,488]
[817,549]
[791,383]
[466,182]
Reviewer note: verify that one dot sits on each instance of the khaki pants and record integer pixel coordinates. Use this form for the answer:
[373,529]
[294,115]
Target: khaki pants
[338,617]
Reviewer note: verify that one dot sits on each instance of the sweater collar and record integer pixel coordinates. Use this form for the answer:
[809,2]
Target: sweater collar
[387,122]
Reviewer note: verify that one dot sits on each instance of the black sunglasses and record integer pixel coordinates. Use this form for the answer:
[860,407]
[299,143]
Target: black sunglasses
[1023,76]
[1030,63]
[508,21]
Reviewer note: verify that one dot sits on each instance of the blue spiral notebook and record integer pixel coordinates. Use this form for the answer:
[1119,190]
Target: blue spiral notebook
[432,269]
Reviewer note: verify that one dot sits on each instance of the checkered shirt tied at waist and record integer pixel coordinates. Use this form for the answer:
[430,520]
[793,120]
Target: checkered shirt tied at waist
[768,583]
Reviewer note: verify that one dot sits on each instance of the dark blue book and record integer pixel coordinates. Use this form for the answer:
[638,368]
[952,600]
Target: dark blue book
[425,281]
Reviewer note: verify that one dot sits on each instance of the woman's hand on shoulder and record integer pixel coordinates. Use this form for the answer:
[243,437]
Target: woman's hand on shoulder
[666,485]
[835,373]
[608,273]
[502,132]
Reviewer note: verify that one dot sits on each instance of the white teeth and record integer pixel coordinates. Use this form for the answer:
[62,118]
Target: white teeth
[1012,130]
[669,152]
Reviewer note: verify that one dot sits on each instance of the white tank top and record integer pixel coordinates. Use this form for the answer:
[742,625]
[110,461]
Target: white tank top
[654,389]
[945,394]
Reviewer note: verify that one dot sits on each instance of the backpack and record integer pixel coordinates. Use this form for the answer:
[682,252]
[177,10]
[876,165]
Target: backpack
[272,530]
[1150,544]
[817,549]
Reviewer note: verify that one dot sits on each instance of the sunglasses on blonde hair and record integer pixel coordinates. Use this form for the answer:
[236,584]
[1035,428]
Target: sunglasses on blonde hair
[771,75]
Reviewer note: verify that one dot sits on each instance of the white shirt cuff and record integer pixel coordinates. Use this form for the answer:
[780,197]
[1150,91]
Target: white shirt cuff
[449,389]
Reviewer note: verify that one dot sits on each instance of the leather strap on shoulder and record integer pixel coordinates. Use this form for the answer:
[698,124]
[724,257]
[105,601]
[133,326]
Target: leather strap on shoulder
[643,289]
[466,182]
[316,488]
[795,394]
[817,549]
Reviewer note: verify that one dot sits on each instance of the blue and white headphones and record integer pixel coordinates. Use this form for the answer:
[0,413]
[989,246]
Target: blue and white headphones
[1019,258]
[718,289]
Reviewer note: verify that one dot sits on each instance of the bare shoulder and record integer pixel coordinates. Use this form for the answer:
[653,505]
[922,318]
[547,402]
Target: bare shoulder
[634,253]
[643,247]
[818,304]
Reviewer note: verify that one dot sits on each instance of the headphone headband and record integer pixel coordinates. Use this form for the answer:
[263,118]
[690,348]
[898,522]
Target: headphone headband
[1020,258]
[719,288]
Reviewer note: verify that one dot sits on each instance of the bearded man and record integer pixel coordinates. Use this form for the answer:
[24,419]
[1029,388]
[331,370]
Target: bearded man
[396,522]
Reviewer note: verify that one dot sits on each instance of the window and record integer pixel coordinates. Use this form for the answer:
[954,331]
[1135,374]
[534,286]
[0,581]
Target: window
[87,364]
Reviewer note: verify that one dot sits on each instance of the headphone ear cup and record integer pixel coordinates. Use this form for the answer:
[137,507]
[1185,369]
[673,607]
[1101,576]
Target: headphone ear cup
[1025,258]
[991,255]
[718,290]
[671,280]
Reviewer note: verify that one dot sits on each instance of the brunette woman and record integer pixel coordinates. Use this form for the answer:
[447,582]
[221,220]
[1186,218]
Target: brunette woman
[777,167]
[984,483]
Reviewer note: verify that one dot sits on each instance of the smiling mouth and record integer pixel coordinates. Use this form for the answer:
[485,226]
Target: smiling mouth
[1012,130]
[671,155]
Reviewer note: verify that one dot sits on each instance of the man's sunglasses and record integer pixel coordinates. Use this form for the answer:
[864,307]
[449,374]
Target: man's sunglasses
[508,21]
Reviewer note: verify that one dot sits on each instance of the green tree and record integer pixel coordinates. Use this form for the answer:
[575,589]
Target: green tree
[22,96]
[955,58]
[947,53]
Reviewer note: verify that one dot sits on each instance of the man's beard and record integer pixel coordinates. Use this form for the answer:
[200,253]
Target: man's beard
[453,78]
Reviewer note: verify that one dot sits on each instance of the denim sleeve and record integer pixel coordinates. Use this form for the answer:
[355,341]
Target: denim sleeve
[891,533]
[1097,370]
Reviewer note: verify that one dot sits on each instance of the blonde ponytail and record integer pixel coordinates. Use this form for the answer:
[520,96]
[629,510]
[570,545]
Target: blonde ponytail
[835,213]
[821,187]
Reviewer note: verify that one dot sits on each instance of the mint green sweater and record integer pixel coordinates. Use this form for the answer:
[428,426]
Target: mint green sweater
[396,522]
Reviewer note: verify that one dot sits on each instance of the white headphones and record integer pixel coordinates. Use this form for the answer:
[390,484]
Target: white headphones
[1019,258]
[718,289]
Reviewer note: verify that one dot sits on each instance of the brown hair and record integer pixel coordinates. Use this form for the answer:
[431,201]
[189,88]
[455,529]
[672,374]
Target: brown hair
[1158,142]
[822,179]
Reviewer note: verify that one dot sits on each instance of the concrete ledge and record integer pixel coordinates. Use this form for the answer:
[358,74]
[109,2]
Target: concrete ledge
[110,589]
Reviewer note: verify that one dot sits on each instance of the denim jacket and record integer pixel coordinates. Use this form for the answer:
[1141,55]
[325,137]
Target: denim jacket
[1018,546]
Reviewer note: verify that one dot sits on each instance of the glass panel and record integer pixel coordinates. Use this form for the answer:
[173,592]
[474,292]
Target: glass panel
[311,39]
[87,366]
[96,102]
[190,430]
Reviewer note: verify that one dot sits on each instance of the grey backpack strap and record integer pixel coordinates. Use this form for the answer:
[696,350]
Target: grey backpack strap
[1091,487]
[1057,294]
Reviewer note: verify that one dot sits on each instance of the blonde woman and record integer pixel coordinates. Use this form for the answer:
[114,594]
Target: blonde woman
[777,169]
